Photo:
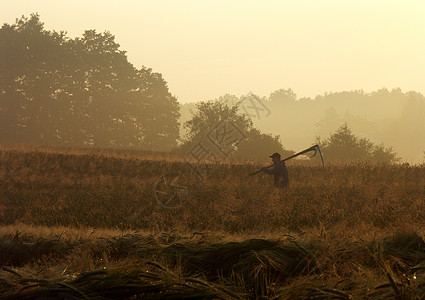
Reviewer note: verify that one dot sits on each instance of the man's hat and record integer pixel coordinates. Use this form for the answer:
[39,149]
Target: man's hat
[275,155]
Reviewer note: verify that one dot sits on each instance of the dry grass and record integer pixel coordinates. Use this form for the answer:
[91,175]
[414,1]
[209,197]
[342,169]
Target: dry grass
[209,266]
[82,224]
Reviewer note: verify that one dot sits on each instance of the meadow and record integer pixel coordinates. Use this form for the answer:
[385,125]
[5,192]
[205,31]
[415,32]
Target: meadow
[89,224]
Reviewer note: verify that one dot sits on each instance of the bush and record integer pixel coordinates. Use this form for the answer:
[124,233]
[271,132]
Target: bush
[344,146]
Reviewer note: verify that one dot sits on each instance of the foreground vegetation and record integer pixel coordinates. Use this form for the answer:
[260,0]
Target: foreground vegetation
[69,263]
[87,224]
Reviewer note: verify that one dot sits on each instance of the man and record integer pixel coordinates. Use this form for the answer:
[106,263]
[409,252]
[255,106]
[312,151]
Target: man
[279,171]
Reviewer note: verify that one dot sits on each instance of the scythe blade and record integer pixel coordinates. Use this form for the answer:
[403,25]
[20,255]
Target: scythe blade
[321,156]
[315,151]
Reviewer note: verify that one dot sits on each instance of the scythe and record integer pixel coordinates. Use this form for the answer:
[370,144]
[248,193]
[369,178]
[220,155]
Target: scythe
[314,148]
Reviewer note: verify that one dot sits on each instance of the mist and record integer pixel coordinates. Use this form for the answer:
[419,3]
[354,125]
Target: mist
[390,117]
[85,92]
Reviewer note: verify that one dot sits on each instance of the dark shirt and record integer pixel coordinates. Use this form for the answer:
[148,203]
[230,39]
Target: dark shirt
[280,172]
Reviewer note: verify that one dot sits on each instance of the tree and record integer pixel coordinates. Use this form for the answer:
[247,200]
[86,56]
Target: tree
[30,59]
[206,117]
[329,121]
[210,114]
[260,145]
[78,92]
[344,146]
[159,112]
[408,130]
[108,79]
[283,96]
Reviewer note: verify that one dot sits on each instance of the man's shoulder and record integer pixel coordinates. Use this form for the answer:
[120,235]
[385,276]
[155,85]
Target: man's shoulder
[281,165]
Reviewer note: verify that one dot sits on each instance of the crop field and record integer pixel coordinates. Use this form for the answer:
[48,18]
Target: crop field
[86,224]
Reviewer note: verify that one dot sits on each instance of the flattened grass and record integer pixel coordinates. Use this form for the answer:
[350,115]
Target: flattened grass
[171,265]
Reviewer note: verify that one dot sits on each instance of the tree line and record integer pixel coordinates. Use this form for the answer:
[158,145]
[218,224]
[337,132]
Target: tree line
[83,92]
[368,120]
[55,90]
[341,146]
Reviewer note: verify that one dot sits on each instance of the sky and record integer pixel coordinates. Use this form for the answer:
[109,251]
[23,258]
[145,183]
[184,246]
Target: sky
[205,49]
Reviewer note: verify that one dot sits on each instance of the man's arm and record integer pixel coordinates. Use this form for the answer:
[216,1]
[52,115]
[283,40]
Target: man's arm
[269,171]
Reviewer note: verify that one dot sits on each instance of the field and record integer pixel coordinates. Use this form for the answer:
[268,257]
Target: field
[92,224]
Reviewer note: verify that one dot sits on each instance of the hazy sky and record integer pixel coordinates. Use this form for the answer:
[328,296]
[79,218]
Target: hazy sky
[205,49]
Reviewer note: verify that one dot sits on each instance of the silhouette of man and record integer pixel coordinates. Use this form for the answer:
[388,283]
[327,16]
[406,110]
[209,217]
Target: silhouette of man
[279,171]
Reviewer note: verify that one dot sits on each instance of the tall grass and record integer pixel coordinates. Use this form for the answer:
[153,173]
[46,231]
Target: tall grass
[56,189]
[81,224]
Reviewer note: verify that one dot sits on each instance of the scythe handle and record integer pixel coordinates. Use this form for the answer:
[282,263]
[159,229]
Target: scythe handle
[302,152]
[295,155]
